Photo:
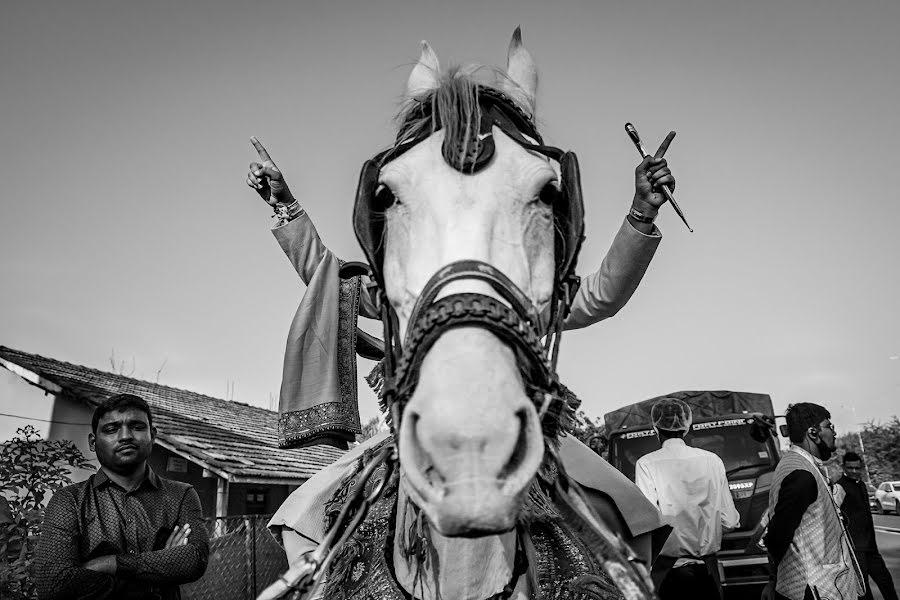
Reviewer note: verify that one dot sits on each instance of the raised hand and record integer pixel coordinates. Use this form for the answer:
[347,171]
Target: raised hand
[179,536]
[266,178]
[650,176]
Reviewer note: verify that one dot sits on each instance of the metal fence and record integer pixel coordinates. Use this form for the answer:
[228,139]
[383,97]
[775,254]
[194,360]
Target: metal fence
[244,559]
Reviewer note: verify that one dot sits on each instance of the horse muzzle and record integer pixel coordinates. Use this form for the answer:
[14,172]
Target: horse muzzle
[471,441]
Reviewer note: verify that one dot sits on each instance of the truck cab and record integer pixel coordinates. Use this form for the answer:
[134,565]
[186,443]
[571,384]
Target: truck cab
[747,443]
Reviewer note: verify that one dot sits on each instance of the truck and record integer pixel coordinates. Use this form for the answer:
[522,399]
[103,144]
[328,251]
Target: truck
[739,427]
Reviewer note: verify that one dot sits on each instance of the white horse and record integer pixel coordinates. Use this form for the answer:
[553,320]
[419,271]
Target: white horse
[472,227]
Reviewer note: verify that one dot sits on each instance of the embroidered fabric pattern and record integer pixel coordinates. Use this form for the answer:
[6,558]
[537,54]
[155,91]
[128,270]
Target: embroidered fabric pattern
[361,571]
[299,425]
[349,309]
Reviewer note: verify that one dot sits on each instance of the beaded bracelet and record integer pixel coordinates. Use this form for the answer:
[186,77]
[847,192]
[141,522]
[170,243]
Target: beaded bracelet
[287,212]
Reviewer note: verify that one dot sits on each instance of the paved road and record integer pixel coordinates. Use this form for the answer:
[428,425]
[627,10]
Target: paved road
[889,545]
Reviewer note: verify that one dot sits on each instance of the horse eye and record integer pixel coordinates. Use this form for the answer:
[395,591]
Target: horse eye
[384,197]
[550,193]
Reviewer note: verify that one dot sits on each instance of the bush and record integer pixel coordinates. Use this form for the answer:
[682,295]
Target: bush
[591,432]
[31,470]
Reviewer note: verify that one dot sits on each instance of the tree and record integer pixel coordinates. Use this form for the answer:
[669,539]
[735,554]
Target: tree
[591,432]
[882,449]
[371,427]
[31,470]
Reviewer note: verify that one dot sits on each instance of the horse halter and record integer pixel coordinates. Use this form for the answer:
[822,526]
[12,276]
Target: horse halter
[515,322]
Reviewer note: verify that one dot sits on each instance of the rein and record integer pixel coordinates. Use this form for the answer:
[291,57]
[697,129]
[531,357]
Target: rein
[304,579]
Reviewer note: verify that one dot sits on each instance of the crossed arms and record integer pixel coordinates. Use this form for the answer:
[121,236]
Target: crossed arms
[60,573]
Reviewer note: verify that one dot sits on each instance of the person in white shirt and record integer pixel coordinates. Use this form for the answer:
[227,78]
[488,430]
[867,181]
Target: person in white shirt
[689,487]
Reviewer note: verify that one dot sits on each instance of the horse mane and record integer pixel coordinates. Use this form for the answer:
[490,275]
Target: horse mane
[452,106]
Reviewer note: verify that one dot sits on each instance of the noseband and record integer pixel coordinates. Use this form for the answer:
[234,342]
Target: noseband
[515,320]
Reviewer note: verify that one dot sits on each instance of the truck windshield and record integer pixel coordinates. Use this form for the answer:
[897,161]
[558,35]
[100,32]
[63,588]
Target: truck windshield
[729,439]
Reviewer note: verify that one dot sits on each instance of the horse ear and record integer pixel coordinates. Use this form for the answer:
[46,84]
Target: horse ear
[522,72]
[425,75]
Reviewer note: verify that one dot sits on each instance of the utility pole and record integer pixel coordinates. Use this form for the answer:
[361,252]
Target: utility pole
[862,447]
[862,450]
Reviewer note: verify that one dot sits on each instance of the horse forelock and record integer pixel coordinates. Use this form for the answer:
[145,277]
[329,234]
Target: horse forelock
[452,106]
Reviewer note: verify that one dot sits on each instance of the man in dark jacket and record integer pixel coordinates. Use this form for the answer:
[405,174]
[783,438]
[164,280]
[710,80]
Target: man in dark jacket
[852,497]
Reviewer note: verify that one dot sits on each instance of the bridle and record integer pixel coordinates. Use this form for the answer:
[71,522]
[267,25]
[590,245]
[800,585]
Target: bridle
[515,321]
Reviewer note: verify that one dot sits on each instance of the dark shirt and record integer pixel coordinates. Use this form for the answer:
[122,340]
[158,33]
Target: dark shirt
[857,515]
[97,517]
[797,492]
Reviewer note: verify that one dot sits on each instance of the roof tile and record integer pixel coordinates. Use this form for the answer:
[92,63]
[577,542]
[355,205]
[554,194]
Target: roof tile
[239,439]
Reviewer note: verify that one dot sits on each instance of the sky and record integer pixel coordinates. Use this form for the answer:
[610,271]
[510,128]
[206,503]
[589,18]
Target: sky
[127,231]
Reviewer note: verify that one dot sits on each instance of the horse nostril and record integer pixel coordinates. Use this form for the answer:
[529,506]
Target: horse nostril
[421,458]
[520,450]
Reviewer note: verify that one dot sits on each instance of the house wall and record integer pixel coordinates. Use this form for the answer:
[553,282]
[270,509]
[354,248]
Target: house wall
[19,399]
[205,486]
[266,498]
[238,504]
[72,421]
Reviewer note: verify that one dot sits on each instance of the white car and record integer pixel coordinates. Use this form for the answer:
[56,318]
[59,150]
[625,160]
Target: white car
[887,497]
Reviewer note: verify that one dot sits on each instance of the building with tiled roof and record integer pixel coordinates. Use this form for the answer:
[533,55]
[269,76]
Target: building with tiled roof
[227,450]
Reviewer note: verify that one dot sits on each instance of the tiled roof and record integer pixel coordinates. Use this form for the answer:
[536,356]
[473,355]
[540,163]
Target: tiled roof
[238,439]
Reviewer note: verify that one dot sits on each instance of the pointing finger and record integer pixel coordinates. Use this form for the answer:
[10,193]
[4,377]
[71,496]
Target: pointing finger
[260,149]
[661,151]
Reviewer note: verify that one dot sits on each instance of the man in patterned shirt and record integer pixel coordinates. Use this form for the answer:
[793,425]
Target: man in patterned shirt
[125,532]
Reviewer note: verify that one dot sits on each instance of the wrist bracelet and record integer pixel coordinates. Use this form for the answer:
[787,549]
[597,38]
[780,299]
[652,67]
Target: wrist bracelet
[639,216]
[287,212]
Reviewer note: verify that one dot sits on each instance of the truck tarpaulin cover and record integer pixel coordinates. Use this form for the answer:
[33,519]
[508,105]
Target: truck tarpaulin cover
[704,404]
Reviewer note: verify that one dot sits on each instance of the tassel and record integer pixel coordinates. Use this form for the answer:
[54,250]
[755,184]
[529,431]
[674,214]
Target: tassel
[375,379]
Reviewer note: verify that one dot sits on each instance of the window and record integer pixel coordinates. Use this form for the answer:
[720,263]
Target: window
[257,501]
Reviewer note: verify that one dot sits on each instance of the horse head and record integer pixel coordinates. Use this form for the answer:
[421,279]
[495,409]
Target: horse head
[468,223]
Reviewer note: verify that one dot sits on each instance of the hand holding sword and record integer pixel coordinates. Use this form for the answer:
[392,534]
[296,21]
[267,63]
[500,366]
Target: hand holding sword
[653,173]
